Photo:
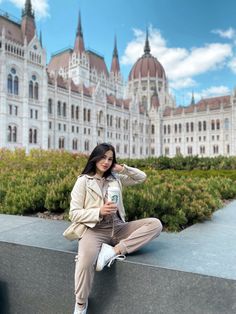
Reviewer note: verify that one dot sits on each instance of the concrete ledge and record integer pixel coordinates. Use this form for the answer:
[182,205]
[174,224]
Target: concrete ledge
[190,272]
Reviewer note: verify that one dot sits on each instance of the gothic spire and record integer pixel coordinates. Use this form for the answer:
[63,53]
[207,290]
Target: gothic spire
[28,23]
[192,100]
[115,66]
[79,40]
[27,11]
[147,46]
[115,51]
[40,39]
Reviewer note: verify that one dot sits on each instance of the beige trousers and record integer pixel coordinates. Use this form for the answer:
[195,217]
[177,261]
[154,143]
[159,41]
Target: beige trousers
[127,236]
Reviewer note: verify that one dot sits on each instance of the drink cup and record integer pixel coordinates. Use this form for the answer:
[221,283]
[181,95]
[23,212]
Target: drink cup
[113,194]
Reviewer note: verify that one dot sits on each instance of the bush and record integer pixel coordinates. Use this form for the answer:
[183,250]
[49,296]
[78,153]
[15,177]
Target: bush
[179,191]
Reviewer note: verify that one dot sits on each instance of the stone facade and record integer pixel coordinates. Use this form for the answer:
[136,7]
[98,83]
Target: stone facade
[74,102]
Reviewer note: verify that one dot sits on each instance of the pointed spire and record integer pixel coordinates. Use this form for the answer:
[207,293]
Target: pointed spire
[28,23]
[115,51]
[27,11]
[115,65]
[79,40]
[147,49]
[79,27]
[40,39]
[192,100]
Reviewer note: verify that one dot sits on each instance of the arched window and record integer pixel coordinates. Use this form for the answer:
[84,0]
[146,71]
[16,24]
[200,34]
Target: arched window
[187,127]
[35,136]
[153,129]
[75,144]
[33,88]
[199,126]
[9,135]
[14,134]
[180,127]
[31,93]
[77,113]
[61,143]
[64,109]
[72,112]
[9,83]
[192,127]
[30,136]
[50,106]
[217,124]
[59,108]
[213,124]
[16,85]
[36,90]
[89,115]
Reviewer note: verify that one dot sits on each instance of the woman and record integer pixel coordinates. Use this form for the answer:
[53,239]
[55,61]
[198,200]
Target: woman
[100,224]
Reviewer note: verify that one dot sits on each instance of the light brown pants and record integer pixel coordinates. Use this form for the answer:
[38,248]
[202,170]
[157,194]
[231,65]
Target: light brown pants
[127,236]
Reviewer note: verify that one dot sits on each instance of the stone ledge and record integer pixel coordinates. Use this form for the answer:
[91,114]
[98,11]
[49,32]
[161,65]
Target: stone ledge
[191,272]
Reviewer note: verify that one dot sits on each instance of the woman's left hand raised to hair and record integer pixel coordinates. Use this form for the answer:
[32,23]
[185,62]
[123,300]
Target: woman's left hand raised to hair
[117,168]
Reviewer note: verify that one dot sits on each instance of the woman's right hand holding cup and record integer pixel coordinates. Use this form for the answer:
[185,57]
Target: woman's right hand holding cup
[108,208]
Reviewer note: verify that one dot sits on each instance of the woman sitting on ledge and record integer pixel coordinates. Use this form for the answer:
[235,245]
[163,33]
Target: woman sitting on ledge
[97,211]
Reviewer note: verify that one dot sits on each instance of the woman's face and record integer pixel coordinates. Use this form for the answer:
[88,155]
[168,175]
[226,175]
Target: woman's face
[105,163]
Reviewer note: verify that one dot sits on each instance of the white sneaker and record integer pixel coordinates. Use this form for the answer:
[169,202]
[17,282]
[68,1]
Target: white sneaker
[107,256]
[79,310]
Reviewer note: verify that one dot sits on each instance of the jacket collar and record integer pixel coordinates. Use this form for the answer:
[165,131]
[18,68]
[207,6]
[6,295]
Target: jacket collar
[93,185]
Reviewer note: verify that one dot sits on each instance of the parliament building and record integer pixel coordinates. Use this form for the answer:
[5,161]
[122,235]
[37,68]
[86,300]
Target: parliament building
[75,102]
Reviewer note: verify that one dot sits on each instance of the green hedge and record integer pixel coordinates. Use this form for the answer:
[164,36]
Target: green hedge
[173,192]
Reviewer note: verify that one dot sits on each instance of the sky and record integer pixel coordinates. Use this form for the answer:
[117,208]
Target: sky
[194,40]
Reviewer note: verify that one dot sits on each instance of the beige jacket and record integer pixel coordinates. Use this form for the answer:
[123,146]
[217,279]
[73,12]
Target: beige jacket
[87,199]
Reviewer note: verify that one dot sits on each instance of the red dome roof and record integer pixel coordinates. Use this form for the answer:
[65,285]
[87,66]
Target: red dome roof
[147,65]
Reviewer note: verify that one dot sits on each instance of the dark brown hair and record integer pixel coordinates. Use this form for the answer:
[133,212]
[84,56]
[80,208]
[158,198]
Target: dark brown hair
[96,155]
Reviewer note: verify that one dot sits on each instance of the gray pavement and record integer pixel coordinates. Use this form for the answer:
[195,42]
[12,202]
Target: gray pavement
[207,248]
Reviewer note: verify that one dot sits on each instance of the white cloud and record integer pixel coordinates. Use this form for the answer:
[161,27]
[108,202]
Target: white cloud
[232,65]
[180,64]
[182,83]
[230,33]
[41,7]
[212,91]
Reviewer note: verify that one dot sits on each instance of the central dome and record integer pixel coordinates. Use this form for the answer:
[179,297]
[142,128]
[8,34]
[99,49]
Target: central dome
[147,65]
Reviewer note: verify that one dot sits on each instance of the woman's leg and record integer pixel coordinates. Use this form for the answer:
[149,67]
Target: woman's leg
[88,250]
[131,236]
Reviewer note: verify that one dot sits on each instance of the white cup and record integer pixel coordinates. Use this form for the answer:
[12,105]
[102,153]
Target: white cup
[113,194]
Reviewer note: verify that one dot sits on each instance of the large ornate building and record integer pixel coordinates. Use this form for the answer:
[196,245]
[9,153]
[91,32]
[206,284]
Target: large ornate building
[75,102]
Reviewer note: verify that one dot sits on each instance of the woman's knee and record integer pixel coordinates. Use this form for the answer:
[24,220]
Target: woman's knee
[157,225]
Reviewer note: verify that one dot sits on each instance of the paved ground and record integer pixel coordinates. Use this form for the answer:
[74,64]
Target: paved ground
[208,248]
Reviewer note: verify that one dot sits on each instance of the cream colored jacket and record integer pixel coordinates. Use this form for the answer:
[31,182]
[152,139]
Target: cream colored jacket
[87,199]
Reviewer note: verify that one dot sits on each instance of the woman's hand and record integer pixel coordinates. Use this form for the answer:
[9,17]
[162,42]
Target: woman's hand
[108,209]
[117,168]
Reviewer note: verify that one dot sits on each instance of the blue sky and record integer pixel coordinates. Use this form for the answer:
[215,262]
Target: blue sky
[195,40]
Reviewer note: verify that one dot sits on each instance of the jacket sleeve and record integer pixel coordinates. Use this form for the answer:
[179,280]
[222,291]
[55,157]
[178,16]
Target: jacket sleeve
[78,212]
[131,176]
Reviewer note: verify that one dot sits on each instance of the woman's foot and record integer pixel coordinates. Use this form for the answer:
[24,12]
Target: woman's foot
[107,256]
[81,308]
